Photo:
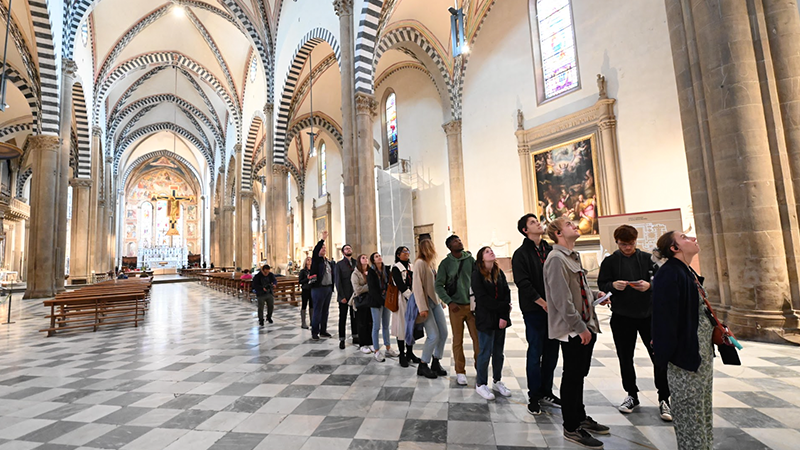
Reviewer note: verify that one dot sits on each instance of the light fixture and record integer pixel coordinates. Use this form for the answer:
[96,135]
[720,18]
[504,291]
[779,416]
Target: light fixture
[177,9]
[459,42]
[3,78]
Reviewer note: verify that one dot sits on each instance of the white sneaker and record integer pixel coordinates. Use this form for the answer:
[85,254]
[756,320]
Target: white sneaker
[379,357]
[501,389]
[461,379]
[365,349]
[484,392]
[392,353]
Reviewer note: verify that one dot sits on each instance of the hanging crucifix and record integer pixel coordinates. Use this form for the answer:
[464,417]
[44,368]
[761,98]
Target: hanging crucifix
[173,210]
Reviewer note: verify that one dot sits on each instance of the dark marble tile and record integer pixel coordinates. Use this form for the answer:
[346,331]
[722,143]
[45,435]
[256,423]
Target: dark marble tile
[260,360]
[384,368]
[357,361]
[237,389]
[184,401]
[321,369]
[363,444]
[272,367]
[238,441]
[296,391]
[16,380]
[646,416]
[469,412]
[176,367]
[247,404]
[132,374]
[82,383]
[395,394]
[760,399]
[316,407]
[625,438]
[747,418]
[52,431]
[425,430]
[131,385]
[118,437]
[318,353]
[126,399]
[285,347]
[202,377]
[64,411]
[70,397]
[771,384]
[56,447]
[736,439]
[283,378]
[339,427]
[782,360]
[124,415]
[22,393]
[188,419]
[340,380]
[778,372]
[592,398]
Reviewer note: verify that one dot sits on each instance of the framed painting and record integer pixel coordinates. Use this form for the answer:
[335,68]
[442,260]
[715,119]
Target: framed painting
[564,180]
[320,225]
[131,215]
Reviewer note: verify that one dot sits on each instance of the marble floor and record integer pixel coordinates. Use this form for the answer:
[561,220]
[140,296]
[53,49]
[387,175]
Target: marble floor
[200,374]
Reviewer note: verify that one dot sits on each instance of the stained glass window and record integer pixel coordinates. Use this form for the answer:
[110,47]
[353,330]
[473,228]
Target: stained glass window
[557,47]
[323,171]
[391,127]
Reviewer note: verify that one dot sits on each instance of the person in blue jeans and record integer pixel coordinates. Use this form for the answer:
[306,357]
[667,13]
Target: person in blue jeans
[431,310]
[322,277]
[542,355]
[377,281]
[492,318]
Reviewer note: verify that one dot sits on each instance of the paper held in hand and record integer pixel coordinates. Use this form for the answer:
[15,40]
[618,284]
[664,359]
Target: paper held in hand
[602,299]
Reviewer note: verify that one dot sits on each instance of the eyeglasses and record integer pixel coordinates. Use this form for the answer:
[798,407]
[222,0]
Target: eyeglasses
[405,251]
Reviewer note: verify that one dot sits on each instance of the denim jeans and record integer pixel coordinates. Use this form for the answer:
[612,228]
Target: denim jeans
[435,331]
[542,356]
[321,303]
[380,319]
[492,343]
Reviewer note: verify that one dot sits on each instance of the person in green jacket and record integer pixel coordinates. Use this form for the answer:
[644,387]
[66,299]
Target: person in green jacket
[458,266]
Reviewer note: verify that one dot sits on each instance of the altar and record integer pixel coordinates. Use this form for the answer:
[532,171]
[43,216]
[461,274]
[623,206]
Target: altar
[163,257]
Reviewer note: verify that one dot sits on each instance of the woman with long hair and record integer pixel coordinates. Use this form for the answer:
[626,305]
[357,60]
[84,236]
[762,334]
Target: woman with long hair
[305,292]
[403,277]
[682,331]
[431,310]
[492,318]
[361,303]
[377,280]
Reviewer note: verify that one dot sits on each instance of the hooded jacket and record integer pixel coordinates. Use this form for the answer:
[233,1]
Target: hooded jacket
[447,271]
[528,268]
[628,302]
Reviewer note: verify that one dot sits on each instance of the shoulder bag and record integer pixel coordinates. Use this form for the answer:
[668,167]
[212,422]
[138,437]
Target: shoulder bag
[391,295]
[452,285]
[722,336]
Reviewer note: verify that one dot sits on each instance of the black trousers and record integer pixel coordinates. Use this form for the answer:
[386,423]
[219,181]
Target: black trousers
[625,330]
[344,311]
[364,325]
[306,296]
[577,362]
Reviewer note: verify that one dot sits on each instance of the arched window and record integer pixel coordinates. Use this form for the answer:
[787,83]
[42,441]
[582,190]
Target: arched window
[322,165]
[391,127]
[556,54]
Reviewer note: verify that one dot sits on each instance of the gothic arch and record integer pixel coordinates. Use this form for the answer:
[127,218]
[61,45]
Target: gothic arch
[149,156]
[320,121]
[22,178]
[155,128]
[247,162]
[49,62]
[307,45]
[11,129]
[26,89]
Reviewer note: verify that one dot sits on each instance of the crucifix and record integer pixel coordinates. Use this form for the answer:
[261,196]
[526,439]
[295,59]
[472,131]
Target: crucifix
[173,210]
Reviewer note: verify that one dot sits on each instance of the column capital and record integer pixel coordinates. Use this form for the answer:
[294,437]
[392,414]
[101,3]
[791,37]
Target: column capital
[97,131]
[69,68]
[607,124]
[343,7]
[237,148]
[279,169]
[366,104]
[80,182]
[216,211]
[246,194]
[228,208]
[452,127]
[269,108]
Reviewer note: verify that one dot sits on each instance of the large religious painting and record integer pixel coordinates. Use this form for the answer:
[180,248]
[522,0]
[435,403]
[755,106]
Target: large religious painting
[564,176]
[191,213]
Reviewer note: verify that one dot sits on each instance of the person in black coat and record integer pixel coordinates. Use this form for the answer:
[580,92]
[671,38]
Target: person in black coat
[264,283]
[321,278]
[492,317]
[627,274]
[305,292]
[377,281]
[344,291]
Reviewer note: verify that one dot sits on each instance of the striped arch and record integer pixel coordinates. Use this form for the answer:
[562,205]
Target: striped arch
[21,83]
[49,62]
[230,182]
[260,164]
[264,49]
[320,121]
[309,42]
[365,45]
[12,129]
[247,163]
[155,128]
[22,178]
[168,59]
[84,156]
[152,155]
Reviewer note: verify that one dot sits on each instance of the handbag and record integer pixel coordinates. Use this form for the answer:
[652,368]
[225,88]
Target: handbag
[361,301]
[721,336]
[391,296]
[452,285]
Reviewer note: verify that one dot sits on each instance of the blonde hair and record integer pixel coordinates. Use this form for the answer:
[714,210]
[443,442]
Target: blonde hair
[555,227]
[427,252]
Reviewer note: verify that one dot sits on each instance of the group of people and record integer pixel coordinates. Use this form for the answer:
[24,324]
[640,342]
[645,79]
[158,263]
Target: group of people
[663,305]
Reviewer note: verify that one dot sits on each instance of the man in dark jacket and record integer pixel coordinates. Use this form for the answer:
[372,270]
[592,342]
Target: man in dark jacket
[627,274]
[263,283]
[542,356]
[321,280]
[344,290]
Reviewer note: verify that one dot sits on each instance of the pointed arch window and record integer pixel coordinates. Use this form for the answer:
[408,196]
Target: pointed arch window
[391,127]
[556,55]
[322,165]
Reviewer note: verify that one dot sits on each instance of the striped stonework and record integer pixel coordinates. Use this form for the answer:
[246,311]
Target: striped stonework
[24,87]
[264,49]
[365,45]
[250,145]
[154,155]
[22,178]
[13,129]
[155,128]
[49,64]
[84,154]
[309,42]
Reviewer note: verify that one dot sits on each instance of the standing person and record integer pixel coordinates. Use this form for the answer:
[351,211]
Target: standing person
[572,320]
[361,303]
[321,278]
[452,285]
[263,283]
[305,293]
[431,310]
[403,277]
[682,340]
[527,265]
[344,291]
[377,280]
[627,273]
[492,317]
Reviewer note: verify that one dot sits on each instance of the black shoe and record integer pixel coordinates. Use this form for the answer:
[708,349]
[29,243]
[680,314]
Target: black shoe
[589,424]
[261,323]
[269,320]
[581,437]
[534,409]
[412,358]
[341,345]
[550,400]
[325,334]
[403,360]
[315,338]
[424,371]
[437,368]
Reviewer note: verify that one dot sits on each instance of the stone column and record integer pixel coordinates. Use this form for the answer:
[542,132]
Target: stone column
[730,165]
[458,196]
[366,109]
[68,71]
[226,236]
[244,233]
[351,165]
[41,255]
[212,228]
[96,206]
[279,216]
[301,208]
[79,259]
[19,247]
[110,214]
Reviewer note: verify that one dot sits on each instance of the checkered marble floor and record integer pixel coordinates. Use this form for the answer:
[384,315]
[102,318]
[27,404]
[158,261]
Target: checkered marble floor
[200,374]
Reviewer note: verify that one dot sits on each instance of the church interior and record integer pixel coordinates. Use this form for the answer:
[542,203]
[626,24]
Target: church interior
[165,138]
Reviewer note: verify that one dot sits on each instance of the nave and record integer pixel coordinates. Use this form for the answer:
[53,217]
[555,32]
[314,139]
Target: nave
[200,374]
